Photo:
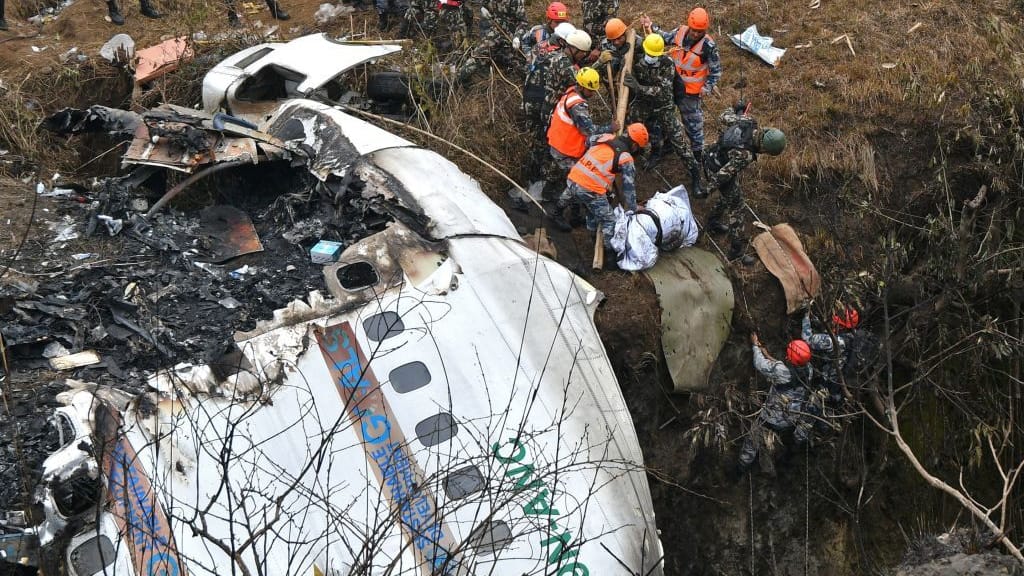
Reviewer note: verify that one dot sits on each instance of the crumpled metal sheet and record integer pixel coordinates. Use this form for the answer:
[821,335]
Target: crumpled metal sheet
[696,313]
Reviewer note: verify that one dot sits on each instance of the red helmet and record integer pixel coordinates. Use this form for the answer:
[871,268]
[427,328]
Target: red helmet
[847,319]
[698,19]
[798,353]
[637,132]
[557,11]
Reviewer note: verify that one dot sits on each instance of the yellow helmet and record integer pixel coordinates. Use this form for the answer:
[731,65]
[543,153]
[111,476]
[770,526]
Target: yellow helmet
[588,78]
[654,45]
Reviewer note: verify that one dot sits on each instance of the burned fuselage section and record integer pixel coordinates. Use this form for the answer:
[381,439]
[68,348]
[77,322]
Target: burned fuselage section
[437,401]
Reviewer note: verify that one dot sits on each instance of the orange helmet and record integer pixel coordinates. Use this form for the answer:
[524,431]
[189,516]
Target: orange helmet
[847,319]
[557,11]
[614,28]
[798,353]
[698,19]
[637,132]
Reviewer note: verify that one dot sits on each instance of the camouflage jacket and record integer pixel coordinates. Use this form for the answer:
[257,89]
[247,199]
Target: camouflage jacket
[655,81]
[509,15]
[559,74]
[599,10]
[735,149]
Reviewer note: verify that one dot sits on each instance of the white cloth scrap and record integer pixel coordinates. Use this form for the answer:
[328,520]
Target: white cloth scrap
[636,233]
[760,45]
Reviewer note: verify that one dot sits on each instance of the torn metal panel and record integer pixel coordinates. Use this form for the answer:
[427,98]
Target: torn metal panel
[287,68]
[155,61]
[335,138]
[230,232]
[179,146]
[696,313]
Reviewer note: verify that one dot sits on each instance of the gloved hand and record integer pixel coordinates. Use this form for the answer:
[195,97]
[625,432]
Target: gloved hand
[605,57]
[630,81]
[516,43]
[740,106]
[485,12]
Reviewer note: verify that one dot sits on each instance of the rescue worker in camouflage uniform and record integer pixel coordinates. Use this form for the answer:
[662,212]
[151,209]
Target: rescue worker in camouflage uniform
[737,147]
[788,406]
[698,65]
[651,81]
[614,48]
[849,356]
[556,14]
[452,32]
[388,11]
[420,19]
[558,71]
[594,175]
[506,19]
[571,130]
[596,13]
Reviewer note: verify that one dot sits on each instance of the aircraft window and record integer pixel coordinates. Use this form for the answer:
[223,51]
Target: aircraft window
[92,556]
[357,276]
[490,537]
[383,326]
[409,377]
[463,482]
[436,429]
[257,55]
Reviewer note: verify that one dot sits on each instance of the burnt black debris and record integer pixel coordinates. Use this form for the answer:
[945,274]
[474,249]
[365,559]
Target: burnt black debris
[153,296]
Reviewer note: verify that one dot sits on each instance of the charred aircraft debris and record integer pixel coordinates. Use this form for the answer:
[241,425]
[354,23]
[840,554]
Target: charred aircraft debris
[437,401]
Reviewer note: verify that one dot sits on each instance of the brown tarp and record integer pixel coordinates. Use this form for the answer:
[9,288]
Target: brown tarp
[783,254]
[696,313]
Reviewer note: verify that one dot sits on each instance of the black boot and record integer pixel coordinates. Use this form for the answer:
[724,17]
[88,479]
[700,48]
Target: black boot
[276,11]
[736,250]
[115,13]
[233,20]
[558,219]
[147,10]
[716,227]
[695,186]
[3,21]
[383,20]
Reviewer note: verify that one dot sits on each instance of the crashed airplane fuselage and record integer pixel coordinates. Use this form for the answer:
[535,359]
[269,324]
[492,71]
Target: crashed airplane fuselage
[448,408]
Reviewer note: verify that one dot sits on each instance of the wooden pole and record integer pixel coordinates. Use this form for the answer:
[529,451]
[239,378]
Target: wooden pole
[620,117]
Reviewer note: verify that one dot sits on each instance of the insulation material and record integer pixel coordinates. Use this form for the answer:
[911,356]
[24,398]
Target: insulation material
[783,254]
[696,313]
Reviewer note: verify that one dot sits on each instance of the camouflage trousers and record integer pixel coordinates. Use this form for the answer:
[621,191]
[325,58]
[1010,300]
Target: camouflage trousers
[599,211]
[665,122]
[784,410]
[492,47]
[596,13]
[693,122]
[452,33]
[556,167]
[418,23]
[730,210]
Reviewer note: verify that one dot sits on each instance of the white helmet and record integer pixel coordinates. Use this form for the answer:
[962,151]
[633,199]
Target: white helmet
[579,40]
[564,29]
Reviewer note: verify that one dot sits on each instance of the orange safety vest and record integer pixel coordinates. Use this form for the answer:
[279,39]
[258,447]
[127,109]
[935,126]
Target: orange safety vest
[563,135]
[688,62]
[597,169]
